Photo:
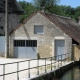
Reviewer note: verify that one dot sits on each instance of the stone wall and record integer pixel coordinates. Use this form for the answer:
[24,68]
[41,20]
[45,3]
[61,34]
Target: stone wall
[45,41]
[14,20]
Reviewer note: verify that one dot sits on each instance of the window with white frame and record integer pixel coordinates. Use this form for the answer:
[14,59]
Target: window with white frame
[38,29]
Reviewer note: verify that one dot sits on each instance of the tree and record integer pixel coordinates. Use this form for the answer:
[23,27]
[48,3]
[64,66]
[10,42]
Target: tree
[70,11]
[67,11]
[77,13]
[28,10]
[48,4]
[62,10]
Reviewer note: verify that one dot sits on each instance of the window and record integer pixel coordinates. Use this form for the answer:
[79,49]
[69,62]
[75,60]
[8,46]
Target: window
[25,43]
[31,43]
[1,27]
[19,43]
[38,29]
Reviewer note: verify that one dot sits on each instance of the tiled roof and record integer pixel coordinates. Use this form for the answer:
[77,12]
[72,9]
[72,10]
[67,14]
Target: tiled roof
[14,6]
[67,24]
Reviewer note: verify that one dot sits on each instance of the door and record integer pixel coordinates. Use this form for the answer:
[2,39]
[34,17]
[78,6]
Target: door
[2,46]
[31,49]
[59,49]
[25,49]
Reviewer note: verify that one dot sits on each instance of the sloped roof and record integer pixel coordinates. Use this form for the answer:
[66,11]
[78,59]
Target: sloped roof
[14,6]
[66,24]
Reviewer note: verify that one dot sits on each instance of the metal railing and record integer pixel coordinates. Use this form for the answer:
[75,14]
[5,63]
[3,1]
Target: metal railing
[54,62]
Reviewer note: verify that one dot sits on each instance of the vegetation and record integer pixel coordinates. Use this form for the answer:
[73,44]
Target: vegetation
[28,9]
[47,4]
[50,6]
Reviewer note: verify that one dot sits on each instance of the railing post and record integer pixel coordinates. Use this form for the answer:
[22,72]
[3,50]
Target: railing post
[55,61]
[51,63]
[45,65]
[58,61]
[69,56]
[29,69]
[61,60]
[65,58]
[17,71]
[3,71]
[37,66]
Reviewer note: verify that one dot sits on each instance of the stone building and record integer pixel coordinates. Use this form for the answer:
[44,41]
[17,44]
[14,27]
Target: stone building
[14,11]
[44,35]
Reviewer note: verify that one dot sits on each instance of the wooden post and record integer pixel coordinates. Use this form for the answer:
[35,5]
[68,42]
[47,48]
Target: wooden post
[6,30]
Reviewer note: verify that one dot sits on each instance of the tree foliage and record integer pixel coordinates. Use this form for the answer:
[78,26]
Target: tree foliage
[28,9]
[48,4]
[45,3]
[77,13]
[51,6]
[68,11]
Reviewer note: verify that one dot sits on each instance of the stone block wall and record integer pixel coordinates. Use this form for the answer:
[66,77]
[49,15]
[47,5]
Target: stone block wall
[45,41]
[14,20]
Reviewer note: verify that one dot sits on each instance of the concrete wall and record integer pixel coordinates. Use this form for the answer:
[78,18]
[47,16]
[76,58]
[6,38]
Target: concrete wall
[14,20]
[46,41]
[54,74]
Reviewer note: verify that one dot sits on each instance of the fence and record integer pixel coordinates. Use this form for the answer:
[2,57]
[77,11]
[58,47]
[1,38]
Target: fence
[53,64]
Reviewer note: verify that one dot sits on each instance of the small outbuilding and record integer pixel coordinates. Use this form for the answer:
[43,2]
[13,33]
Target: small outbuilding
[44,35]
[14,19]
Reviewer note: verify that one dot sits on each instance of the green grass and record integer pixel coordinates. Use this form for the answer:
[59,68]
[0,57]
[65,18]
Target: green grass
[47,67]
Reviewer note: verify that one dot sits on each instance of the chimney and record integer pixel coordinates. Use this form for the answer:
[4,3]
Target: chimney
[43,9]
[79,20]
